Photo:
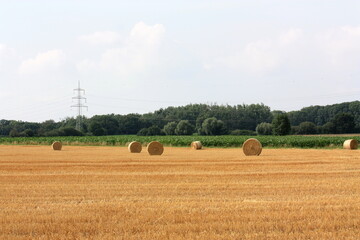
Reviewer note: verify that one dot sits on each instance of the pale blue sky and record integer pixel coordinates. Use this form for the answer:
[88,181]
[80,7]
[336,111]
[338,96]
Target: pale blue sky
[139,56]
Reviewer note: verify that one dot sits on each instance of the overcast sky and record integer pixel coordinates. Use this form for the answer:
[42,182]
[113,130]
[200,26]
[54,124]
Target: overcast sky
[140,55]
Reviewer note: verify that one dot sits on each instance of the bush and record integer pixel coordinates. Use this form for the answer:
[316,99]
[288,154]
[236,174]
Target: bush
[169,128]
[281,124]
[70,132]
[294,130]
[96,129]
[184,127]
[212,126]
[150,131]
[328,128]
[28,133]
[264,128]
[344,123]
[307,128]
[14,133]
[243,132]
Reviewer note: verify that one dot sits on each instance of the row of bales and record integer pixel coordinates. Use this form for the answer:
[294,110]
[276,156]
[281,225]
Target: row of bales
[153,148]
[251,147]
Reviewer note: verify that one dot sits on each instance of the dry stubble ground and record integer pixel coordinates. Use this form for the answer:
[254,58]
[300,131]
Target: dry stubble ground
[108,193]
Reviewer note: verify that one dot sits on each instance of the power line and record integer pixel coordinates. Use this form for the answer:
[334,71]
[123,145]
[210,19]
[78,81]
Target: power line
[137,100]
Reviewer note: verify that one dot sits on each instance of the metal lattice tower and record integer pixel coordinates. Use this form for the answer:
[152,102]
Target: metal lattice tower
[79,105]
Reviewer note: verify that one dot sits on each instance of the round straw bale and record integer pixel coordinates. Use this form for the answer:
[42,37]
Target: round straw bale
[135,147]
[155,148]
[196,145]
[56,145]
[350,144]
[252,147]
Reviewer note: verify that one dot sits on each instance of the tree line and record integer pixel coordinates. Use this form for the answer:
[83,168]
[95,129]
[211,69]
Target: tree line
[201,119]
[330,119]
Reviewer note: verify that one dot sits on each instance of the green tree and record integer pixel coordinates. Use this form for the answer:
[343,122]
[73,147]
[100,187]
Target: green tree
[238,132]
[328,128]
[69,131]
[212,126]
[108,122]
[14,133]
[307,128]
[344,123]
[169,128]
[281,124]
[150,131]
[320,115]
[28,133]
[264,128]
[47,126]
[184,127]
[96,129]
[5,127]
[130,123]
[256,114]
[294,130]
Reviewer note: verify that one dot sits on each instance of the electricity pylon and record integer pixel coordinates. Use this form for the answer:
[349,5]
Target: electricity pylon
[79,105]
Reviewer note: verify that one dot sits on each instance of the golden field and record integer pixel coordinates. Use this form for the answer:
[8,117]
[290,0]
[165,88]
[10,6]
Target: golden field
[108,193]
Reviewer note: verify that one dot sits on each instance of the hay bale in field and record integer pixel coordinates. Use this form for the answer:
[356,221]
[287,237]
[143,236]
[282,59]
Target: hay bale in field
[196,145]
[135,147]
[252,147]
[350,144]
[56,145]
[155,148]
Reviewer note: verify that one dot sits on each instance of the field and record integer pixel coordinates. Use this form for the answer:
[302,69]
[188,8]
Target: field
[87,192]
[291,141]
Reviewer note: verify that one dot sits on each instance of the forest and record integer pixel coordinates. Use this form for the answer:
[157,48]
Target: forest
[201,119]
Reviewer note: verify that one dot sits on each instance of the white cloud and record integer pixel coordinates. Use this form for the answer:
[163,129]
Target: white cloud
[46,61]
[291,36]
[262,56]
[342,46]
[147,35]
[101,38]
[7,55]
[4,50]
[86,65]
[138,52]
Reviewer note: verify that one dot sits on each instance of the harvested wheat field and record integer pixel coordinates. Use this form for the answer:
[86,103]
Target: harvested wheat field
[109,193]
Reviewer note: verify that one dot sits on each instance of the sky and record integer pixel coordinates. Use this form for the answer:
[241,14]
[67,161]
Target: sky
[137,56]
